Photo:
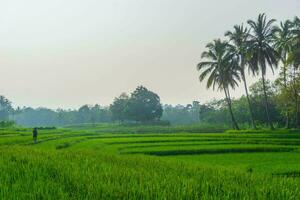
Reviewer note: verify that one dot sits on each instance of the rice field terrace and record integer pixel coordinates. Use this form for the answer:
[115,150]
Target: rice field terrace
[88,163]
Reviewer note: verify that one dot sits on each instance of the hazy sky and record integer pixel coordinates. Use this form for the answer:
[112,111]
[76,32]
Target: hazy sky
[66,53]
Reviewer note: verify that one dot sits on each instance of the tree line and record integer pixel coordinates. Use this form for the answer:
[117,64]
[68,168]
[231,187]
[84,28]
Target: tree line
[212,113]
[142,106]
[255,48]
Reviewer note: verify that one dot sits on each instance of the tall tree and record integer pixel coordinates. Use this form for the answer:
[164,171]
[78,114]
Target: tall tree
[262,52]
[239,37]
[5,108]
[294,59]
[84,114]
[220,66]
[282,44]
[118,107]
[144,106]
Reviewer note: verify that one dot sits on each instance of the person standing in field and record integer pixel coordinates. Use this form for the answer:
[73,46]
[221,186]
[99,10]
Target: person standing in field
[35,134]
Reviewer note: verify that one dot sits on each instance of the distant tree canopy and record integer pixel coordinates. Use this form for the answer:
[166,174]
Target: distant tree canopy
[142,106]
[47,117]
[5,108]
[118,108]
[182,114]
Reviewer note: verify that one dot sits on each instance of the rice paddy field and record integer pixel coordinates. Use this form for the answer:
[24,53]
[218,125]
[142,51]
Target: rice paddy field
[100,163]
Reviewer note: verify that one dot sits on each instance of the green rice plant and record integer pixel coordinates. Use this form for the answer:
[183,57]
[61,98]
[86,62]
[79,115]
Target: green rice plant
[87,163]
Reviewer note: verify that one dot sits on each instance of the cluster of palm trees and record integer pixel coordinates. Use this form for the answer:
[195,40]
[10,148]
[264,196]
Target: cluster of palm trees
[255,48]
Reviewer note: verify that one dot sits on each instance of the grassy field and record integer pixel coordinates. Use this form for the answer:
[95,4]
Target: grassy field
[101,163]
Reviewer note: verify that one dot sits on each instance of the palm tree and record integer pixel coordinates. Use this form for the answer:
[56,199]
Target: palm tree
[262,52]
[296,42]
[220,65]
[239,38]
[282,44]
[294,59]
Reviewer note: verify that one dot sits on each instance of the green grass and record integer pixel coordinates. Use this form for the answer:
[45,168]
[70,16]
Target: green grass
[98,162]
[136,128]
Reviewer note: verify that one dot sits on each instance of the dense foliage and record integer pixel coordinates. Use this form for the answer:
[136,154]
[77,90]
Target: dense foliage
[182,114]
[142,106]
[5,108]
[259,47]
[214,112]
[47,117]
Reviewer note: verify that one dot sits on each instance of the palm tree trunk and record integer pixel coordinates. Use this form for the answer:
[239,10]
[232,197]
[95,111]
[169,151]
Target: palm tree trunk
[248,99]
[297,112]
[266,103]
[296,105]
[287,119]
[234,123]
[296,99]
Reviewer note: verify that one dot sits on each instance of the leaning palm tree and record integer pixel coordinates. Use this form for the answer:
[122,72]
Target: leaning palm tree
[220,66]
[239,37]
[282,44]
[262,52]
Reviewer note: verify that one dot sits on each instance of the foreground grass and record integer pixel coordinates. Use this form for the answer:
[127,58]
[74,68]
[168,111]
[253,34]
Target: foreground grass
[85,164]
[39,174]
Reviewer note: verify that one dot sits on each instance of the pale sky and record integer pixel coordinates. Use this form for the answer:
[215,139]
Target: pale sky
[66,53]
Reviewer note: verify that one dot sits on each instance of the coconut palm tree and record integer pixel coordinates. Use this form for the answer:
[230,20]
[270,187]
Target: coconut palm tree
[239,37]
[294,60]
[262,52]
[282,44]
[295,54]
[220,66]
